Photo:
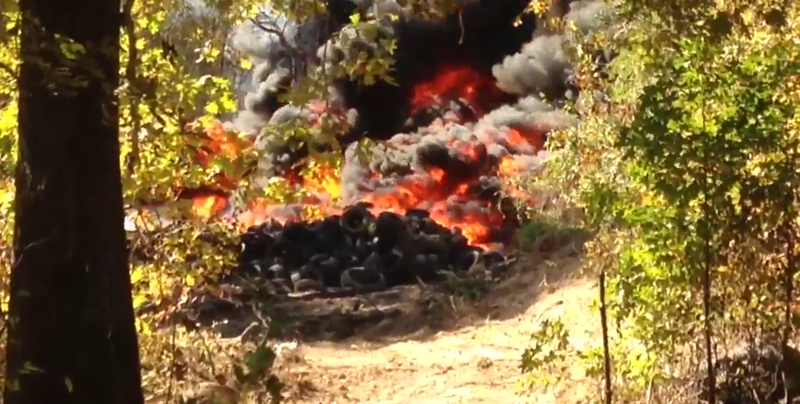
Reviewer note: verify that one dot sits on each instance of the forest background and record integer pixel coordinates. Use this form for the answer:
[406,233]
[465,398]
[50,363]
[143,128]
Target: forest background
[686,169]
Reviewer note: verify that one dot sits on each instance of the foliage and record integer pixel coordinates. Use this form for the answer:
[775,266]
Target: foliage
[200,368]
[688,175]
[8,117]
[176,70]
[178,80]
[548,353]
[686,170]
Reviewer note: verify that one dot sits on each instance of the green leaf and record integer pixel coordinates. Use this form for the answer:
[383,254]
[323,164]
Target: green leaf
[28,368]
[212,108]
[238,371]
[12,384]
[261,360]
[139,299]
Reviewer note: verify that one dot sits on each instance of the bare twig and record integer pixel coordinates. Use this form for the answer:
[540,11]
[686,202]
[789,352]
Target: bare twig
[281,37]
[323,63]
[461,25]
[283,41]
[210,357]
[173,348]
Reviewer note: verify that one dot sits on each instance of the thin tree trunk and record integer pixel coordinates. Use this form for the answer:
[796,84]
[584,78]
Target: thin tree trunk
[72,338]
[608,390]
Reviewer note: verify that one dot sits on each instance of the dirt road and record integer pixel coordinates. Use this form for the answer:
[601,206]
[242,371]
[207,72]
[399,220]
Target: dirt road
[476,360]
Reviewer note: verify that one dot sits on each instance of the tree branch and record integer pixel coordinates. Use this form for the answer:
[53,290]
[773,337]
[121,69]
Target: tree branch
[132,159]
[283,41]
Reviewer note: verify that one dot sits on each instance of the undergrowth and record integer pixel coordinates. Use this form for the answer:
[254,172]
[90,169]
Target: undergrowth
[685,165]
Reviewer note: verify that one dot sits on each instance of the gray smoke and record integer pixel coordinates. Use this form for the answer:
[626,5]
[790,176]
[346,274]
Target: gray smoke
[401,167]
[587,17]
[541,67]
[281,50]
[407,158]
[352,43]
[540,71]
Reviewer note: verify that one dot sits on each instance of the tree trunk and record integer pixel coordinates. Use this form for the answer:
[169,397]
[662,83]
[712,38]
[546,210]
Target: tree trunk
[71,337]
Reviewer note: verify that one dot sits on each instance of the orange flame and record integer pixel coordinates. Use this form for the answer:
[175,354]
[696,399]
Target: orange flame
[324,179]
[431,190]
[461,81]
[207,206]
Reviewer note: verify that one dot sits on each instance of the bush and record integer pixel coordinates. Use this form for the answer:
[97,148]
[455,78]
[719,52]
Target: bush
[688,173]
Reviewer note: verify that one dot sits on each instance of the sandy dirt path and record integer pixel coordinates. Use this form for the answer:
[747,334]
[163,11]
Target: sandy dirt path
[477,361]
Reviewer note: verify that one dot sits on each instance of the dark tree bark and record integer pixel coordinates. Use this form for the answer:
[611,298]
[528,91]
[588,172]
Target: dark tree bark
[72,338]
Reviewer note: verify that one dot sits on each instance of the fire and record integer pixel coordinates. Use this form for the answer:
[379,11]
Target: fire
[323,179]
[207,206]
[515,137]
[434,190]
[460,83]
[216,142]
[437,174]
[508,166]
[222,142]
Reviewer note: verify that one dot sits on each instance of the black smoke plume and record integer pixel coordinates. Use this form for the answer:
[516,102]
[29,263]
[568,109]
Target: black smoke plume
[528,67]
[476,36]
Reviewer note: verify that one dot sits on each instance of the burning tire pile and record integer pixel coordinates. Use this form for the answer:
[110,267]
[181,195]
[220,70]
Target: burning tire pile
[361,251]
[476,96]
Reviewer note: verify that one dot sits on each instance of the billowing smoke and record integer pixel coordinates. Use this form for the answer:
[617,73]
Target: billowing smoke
[281,50]
[477,37]
[465,152]
[475,96]
[541,67]
[446,156]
